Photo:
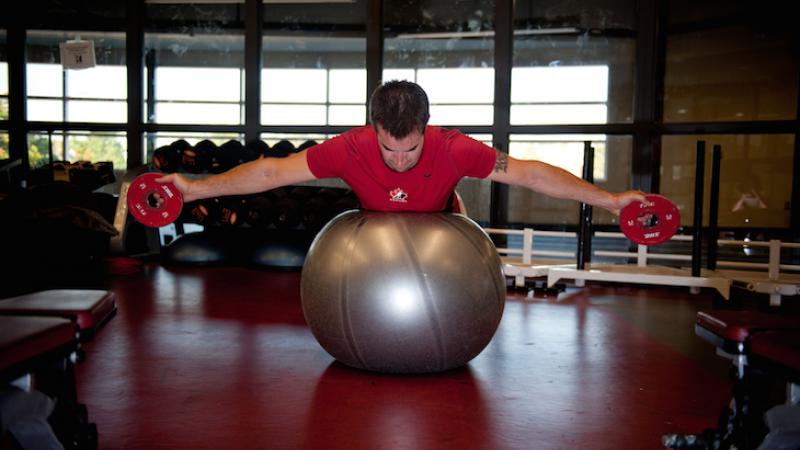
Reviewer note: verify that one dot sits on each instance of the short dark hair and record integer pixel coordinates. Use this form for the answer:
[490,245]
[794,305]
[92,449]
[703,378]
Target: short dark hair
[399,107]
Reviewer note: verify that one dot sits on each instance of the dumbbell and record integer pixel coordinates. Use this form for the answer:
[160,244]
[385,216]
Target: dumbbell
[259,211]
[197,159]
[307,144]
[281,149]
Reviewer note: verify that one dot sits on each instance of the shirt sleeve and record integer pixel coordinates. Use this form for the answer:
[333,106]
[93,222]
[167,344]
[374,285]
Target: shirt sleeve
[472,158]
[329,159]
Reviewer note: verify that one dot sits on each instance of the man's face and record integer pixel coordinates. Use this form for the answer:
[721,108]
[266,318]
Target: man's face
[400,154]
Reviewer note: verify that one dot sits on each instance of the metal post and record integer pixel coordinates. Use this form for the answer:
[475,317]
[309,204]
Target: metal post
[713,209]
[699,185]
[585,219]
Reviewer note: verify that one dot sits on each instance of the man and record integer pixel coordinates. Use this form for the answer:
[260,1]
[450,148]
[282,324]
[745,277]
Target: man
[400,163]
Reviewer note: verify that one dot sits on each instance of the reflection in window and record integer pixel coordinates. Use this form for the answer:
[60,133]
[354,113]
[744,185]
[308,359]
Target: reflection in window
[755,177]
[96,94]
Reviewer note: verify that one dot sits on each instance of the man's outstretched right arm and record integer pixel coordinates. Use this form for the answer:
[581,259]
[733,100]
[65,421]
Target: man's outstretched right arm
[255,176]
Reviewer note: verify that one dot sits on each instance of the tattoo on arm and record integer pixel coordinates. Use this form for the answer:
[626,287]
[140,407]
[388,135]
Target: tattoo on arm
[501,163]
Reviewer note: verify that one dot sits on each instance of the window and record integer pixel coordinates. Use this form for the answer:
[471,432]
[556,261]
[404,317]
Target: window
[448,49]
[573,63]
[4,152]
[96,94]
[729,61]
[195,60]
[314,69]
[612,171]
[559,95]
[755,186]
[3,78]
[73,146]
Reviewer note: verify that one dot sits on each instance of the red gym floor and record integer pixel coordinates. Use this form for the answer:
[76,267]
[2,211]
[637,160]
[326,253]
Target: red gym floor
[218,358]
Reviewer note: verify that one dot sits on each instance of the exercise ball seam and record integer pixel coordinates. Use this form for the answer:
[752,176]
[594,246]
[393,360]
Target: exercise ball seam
[347,322]
[430,306]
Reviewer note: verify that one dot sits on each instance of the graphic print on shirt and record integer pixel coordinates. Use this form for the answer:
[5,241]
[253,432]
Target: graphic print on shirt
[398,195]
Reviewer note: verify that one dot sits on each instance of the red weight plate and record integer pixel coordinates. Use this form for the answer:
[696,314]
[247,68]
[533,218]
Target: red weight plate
[651,222]
[152,203]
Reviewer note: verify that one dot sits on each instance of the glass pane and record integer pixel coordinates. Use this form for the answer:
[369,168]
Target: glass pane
[96,111]
[448,48]
[196,61]
[3,78]
[3,89]
[730,61]
[191,84]
[612,171]
[97,147]
[45,80]
[561,66]
[4,154]
[40,146]
[46,110]
[314,63]
[294,85]
[347,115]
[555,114]
[461,115]
[294,114]
[347,86]
[106,82]
[755,178]
[198,113]
[78,146]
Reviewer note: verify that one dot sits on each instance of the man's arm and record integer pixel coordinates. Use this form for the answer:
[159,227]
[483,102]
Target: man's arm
[556,182]
[255,176]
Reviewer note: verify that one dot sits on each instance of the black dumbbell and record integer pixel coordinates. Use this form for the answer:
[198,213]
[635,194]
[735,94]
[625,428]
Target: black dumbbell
[281,149]
[259,211]
[307,144]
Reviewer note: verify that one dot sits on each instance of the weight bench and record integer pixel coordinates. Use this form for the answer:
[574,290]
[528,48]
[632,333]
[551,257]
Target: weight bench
[85,311]
[90,309]
[37,384]
[753,341]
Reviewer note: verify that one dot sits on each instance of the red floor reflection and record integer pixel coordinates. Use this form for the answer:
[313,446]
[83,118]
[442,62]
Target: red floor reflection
[221,358]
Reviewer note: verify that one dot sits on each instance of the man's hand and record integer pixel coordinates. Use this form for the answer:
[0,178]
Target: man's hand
[623,199]
[181,182]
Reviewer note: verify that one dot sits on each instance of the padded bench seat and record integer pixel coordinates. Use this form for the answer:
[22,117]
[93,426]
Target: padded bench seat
[23,340]
[89,308]
[730,329]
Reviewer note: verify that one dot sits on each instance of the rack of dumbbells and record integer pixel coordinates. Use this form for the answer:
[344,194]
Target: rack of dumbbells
[268,229]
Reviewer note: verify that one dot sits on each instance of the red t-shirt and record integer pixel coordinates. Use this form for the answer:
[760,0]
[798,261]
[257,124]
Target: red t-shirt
[447,156]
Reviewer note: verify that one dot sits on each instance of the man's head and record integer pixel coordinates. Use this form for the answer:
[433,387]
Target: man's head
[399,112]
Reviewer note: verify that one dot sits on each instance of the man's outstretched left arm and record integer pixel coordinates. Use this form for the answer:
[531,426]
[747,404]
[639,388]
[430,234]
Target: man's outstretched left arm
[556,182]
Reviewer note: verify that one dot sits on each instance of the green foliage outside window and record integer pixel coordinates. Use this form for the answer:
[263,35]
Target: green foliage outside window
[4,146]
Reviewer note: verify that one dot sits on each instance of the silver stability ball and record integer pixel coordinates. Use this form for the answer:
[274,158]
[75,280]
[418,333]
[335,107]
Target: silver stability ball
[403,292]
